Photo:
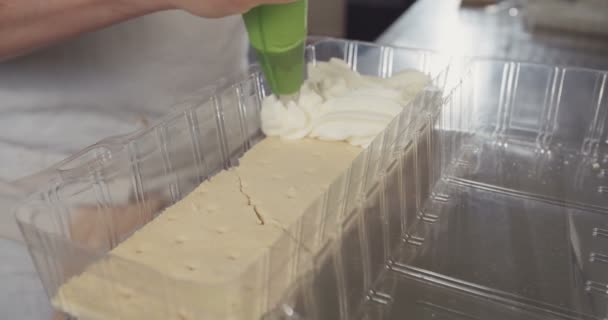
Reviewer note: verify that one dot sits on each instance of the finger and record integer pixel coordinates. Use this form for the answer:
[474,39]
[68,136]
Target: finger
[246,5]
[274,1]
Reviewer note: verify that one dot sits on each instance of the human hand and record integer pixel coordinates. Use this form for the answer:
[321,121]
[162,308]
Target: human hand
[218,8]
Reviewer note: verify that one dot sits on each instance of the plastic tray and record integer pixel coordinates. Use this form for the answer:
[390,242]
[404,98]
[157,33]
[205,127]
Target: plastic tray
[496,208]
[210,132]
[504,202]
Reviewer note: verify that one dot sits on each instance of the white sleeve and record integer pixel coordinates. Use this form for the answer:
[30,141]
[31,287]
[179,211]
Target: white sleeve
[21,292]
[60,100]
[107,83]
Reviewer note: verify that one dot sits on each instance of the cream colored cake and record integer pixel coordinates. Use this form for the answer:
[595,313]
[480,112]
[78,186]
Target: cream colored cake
[192,253]
[214,233]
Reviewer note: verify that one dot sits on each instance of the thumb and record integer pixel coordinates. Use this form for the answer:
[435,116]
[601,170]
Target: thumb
[254,3]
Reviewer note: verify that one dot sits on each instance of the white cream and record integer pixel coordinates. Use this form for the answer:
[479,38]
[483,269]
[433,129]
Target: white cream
[339,104]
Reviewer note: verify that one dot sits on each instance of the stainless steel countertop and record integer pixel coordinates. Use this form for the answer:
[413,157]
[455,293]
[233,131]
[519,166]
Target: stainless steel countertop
[496,31]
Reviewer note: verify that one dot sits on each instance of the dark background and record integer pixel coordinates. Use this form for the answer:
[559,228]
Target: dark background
[367,19]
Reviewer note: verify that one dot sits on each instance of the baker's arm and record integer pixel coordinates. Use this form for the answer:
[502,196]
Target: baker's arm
[29,24]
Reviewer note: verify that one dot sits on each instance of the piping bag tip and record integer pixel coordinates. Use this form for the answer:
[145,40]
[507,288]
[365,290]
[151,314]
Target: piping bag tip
[287,99]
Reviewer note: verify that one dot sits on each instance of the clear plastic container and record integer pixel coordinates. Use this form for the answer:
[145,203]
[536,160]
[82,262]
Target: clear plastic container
[494,207]
[488,201]
[72,222]
[504,202]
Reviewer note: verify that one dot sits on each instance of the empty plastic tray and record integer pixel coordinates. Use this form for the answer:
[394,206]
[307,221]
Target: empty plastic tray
[503,199]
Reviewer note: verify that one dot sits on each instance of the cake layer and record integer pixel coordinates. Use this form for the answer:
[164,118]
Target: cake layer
[213,235]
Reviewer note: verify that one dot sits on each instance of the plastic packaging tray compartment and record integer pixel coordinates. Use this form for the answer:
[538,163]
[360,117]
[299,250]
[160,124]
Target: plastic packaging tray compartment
[208,134]
[505,201]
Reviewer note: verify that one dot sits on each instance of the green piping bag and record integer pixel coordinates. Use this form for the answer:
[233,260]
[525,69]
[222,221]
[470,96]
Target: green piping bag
[278,34]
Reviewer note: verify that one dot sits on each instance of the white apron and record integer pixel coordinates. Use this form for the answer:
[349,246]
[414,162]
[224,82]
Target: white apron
[59,100]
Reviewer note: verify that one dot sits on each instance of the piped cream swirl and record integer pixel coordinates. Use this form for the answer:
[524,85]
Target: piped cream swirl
[339,104]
